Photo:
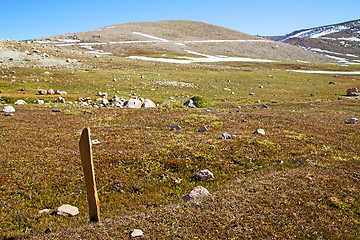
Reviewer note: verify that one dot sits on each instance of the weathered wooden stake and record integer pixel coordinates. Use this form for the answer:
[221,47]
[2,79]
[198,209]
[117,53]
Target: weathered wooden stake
[88,167]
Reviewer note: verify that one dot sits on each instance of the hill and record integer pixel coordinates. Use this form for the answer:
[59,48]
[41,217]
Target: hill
[178,37]
[338,41]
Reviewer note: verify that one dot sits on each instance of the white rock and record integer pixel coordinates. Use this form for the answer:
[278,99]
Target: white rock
[67,210]
[136,233]
[260,131]
[9,109]
[51,92]
[133,103]
[40,102]
[104,101]
[196,193]
[148,103]
[20,102]
[61,99]
[44,212]
[95,142]
[205,174]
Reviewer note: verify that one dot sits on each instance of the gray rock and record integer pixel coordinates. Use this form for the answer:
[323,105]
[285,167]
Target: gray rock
[352,92]
[264,106]
[225,136]
[196,193]
[67,210]
[353,121]
[260,131]
[203,129]
[205,175]
[136,233]
[175,127]
[8,109]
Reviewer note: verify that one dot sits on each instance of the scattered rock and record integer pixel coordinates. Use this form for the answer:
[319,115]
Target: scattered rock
[40,102]
[51,92]
[270,76]
[353,121]
[203,129]
[225,136]
[95,142]
[42,91]
[260,131]
[136,233]
[61,100]
[352,92]
[20,102]
[8,109]
[56,110]
[44,212]
[251,94]
[67,210]
[9,114]
[133,103]
[58,92]
[103,94]
[148,103]
[175,127]
[196,193]
[190,104]
[177,180]
[205,175]
[264,106]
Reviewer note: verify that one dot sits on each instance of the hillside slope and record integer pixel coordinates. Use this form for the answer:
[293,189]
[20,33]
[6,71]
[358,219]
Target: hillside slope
[177,36]
[339,41]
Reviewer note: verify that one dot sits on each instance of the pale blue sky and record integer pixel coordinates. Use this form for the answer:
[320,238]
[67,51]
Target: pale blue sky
[26,19]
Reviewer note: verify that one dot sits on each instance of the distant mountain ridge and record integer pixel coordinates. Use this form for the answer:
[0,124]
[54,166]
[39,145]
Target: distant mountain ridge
[340,42]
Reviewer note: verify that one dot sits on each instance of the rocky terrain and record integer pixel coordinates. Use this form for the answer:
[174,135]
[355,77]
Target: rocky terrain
[338,41]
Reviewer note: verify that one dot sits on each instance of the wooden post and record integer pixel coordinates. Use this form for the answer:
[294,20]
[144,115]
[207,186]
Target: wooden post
[88,167]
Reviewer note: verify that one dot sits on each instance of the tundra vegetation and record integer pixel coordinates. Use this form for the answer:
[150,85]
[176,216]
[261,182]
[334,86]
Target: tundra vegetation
[300,180]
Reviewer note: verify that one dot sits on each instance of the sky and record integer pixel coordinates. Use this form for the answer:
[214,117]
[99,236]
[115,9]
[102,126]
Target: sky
[25,19]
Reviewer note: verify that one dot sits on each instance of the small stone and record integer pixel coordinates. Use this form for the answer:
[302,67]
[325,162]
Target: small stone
[61,100]
[20,102]
[260,131]
[136,233]
[40,102]
[225,136]
[270,76]
[175,127]
[196,193]
[44,212]
[51,92]
[353,121]
[8,109]
[42,92]
[177,180]
[56,110]
[264,106]
[104,101]
[205,175]
[67,210]
[9,114]
[251,94]
[203,129]
[95,142]
[190,104]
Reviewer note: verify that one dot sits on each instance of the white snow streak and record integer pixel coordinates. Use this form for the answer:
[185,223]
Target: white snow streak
[325,72]
[150,36]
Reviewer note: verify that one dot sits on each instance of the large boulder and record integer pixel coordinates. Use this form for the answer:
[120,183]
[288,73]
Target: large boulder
[133,103]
